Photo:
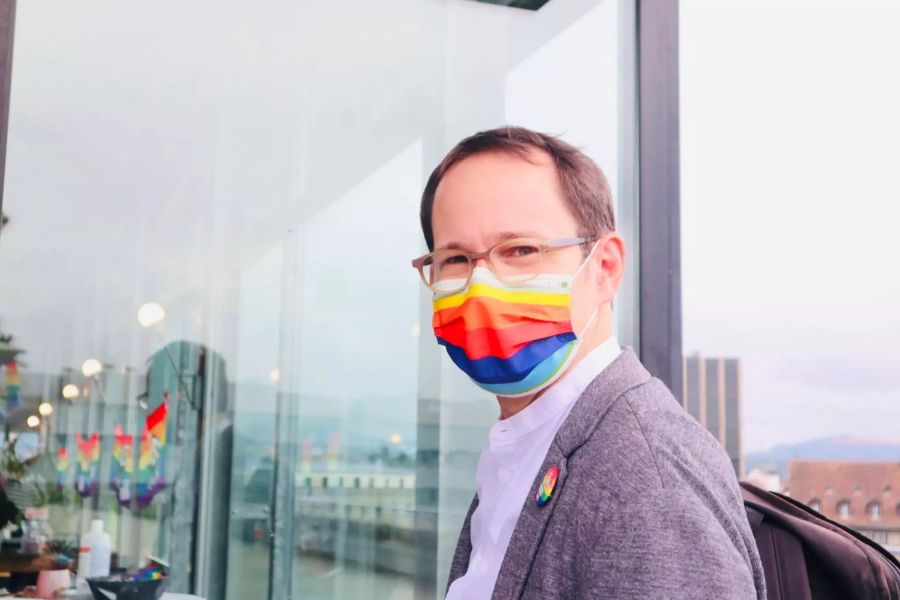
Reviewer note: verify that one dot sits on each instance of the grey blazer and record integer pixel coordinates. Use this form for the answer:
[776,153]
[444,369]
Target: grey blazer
[646,506]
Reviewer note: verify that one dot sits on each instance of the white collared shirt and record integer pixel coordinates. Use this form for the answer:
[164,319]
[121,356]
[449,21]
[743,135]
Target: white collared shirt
[507,467]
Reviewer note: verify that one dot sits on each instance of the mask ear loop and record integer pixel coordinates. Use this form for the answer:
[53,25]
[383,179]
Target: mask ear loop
[585,261]
[594,314]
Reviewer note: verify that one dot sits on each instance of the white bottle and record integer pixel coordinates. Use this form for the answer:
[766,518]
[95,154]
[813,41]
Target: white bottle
[94,552]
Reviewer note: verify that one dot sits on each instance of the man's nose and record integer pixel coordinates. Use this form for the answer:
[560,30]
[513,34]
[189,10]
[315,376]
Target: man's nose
[482,262]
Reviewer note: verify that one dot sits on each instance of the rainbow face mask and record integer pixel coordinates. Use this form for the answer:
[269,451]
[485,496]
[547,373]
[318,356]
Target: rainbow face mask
[510,340]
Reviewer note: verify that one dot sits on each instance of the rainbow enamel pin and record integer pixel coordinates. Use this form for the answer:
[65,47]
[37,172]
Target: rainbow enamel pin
[547,485]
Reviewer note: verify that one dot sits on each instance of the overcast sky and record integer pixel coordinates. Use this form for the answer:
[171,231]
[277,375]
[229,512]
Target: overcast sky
[790,195]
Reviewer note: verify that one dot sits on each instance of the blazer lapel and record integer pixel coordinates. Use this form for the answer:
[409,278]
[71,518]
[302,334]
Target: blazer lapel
[463,551]
[625,372]
[526,537]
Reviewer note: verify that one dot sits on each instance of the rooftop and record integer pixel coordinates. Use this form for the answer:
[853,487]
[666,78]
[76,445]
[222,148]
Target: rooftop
[860,494]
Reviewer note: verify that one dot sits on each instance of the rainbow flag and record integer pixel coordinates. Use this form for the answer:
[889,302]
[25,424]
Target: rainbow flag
[151,478]
[122,466]
[62,467]
[12,384]
[147,459]
[87,463]
[157,421]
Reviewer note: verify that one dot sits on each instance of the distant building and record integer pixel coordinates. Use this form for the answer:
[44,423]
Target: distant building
[712,395]
[764,480]
[864,495]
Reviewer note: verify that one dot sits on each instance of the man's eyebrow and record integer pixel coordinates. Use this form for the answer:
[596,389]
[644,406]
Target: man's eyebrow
[508,235]
[501,237]
[450,246]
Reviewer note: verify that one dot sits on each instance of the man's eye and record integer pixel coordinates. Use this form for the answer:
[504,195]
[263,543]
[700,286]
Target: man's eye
[520,251]
[453,260]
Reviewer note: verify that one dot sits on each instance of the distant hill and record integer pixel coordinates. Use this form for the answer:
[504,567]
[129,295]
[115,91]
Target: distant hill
[775,460]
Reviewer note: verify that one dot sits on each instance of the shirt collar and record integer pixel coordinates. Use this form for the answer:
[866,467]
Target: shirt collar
[559,396]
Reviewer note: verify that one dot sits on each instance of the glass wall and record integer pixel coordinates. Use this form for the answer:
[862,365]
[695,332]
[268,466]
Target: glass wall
[205,271]
[789,260]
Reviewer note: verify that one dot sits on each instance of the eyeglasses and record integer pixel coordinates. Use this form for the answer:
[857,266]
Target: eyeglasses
[513,261]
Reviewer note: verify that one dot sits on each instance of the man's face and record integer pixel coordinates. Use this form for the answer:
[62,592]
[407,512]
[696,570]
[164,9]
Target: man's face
[489,197]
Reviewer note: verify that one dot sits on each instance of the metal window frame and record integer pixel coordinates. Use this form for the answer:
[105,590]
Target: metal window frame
[7,31]
[660,191]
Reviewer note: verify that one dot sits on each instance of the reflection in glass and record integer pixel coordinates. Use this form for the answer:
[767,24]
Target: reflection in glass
[236,385]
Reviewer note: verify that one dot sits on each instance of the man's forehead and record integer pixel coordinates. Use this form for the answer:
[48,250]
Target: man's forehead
[506,183]
[497,196]
[533,160]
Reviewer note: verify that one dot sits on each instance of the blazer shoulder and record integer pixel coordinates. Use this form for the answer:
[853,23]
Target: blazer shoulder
[646,441]
[668,476]
[683,450]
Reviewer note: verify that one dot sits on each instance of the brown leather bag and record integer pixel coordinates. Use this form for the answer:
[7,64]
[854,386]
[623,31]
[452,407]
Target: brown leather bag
[807,556]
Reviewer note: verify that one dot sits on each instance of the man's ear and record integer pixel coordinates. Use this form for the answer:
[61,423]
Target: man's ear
[609,259]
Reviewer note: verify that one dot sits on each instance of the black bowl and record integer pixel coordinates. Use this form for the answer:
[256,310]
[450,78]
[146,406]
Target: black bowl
[105,588]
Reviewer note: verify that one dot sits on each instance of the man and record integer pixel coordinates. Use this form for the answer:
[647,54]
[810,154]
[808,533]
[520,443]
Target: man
[594,483]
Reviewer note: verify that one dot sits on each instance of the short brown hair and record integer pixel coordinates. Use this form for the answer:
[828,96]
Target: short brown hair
[583,183]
